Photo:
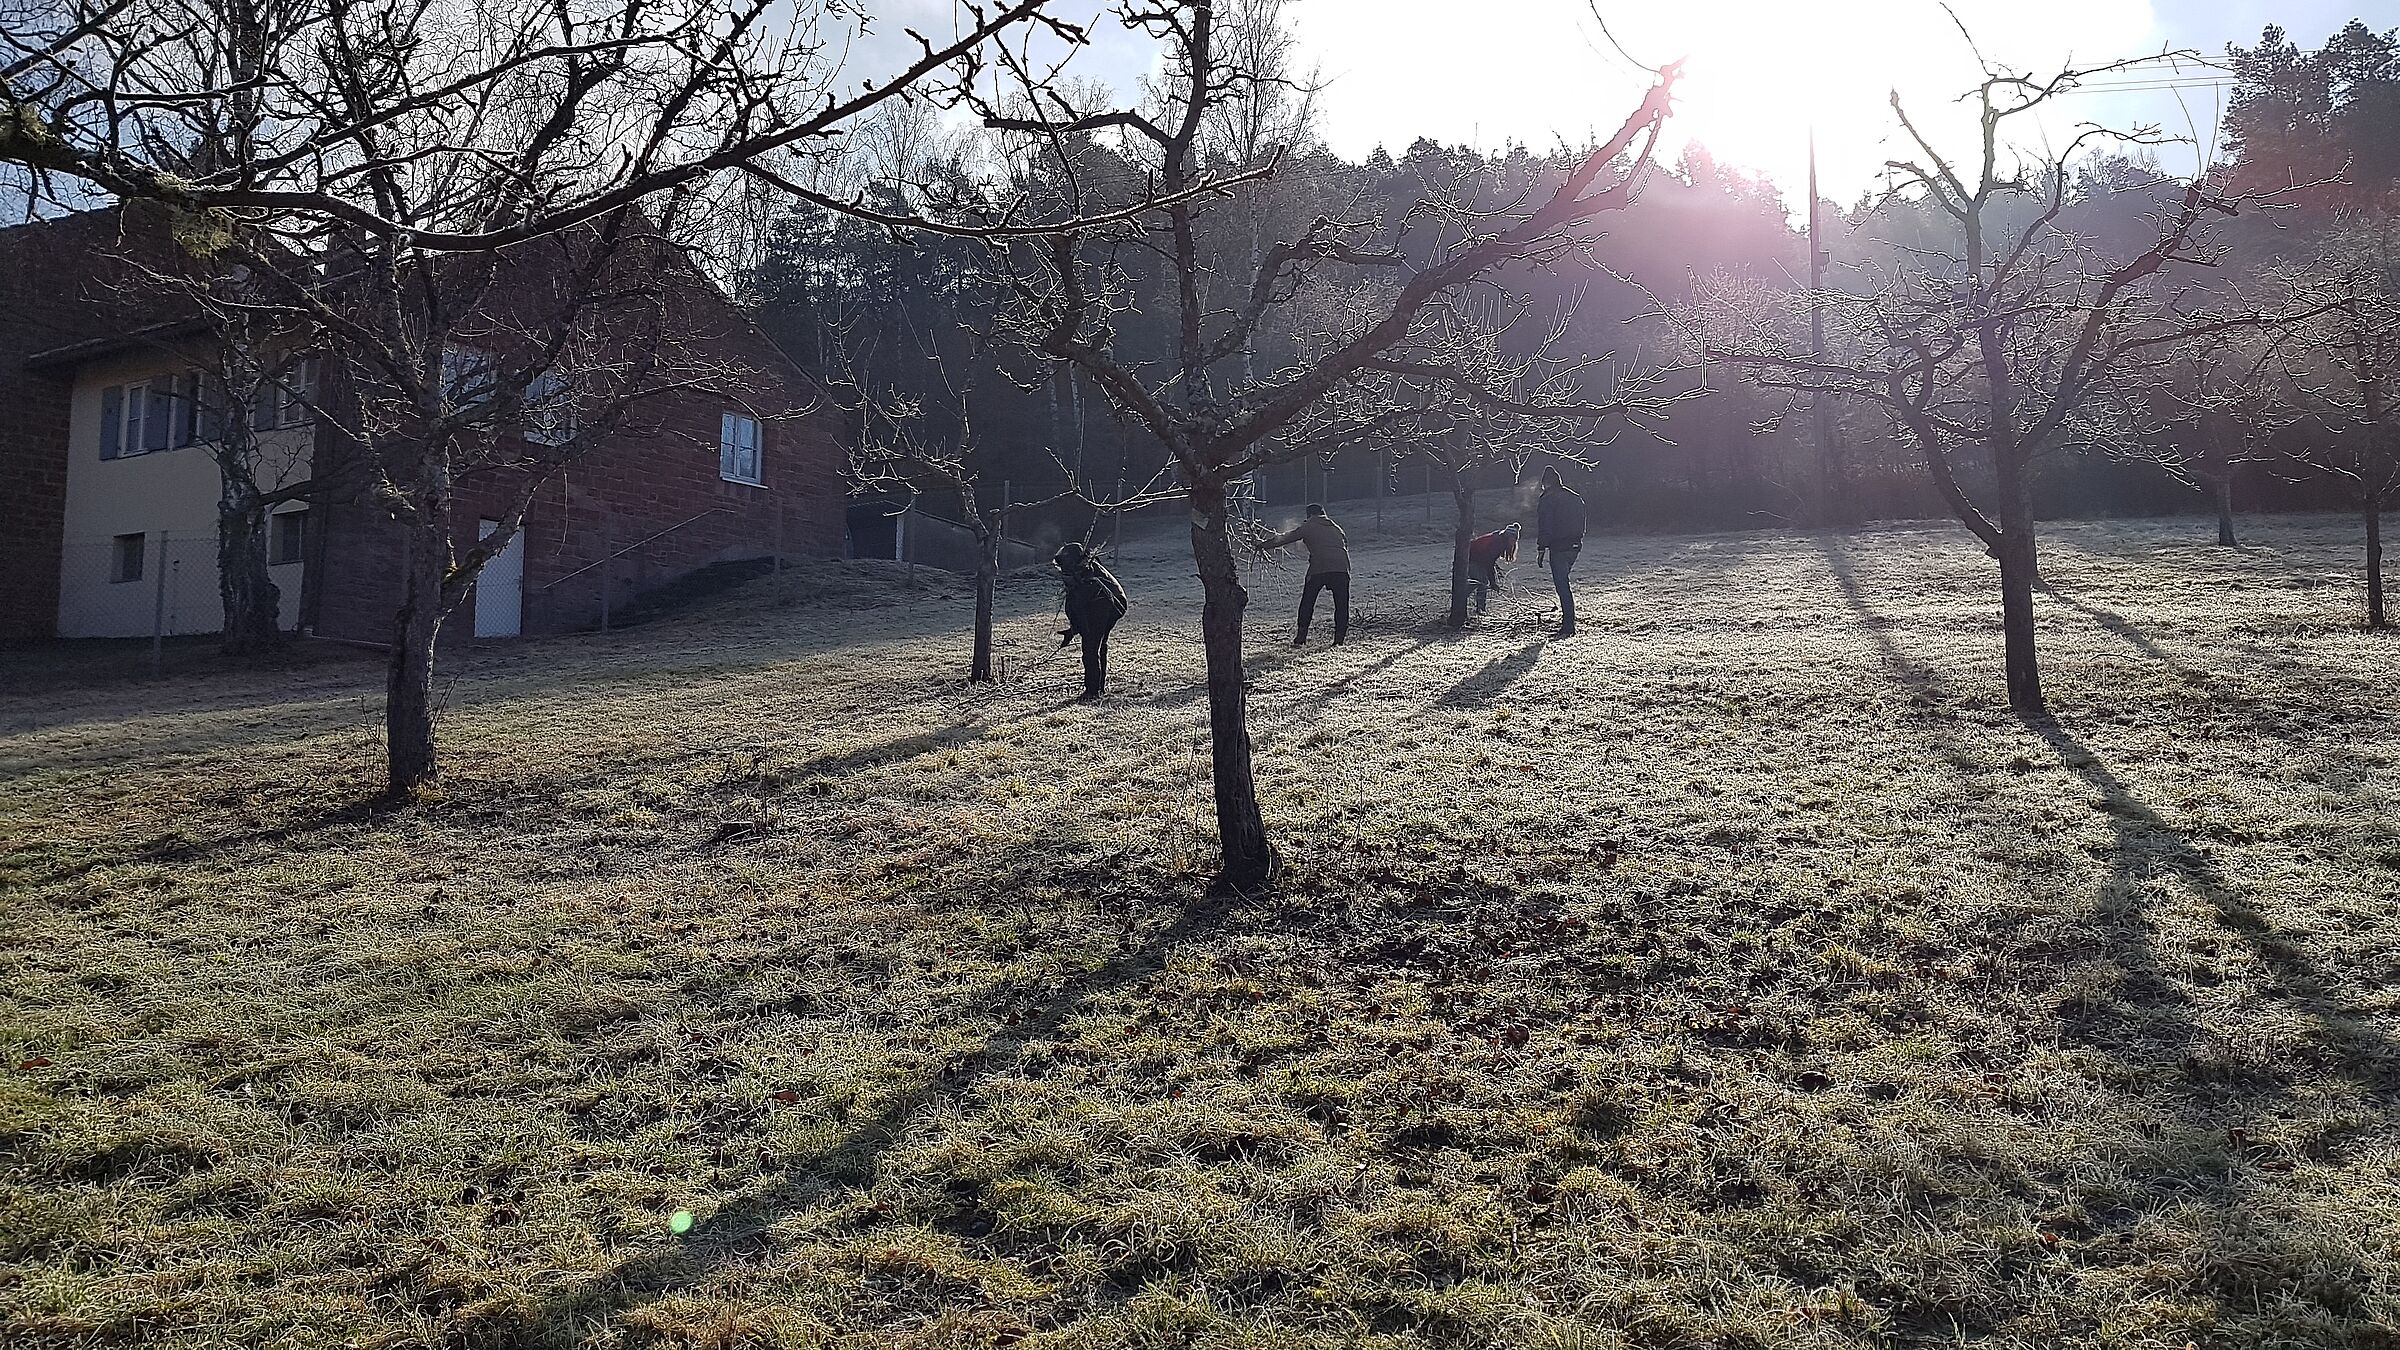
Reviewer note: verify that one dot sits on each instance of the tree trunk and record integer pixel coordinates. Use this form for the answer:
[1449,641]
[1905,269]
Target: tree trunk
[253,603]
[2374,517]
[2020,572]
[408,690]
[987,580]
[1248,859]
[2222,489]
[2017,576]
[1462,491]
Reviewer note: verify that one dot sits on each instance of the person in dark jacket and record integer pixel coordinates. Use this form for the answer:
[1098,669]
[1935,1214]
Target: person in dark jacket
[1328,569]
[1558,532]
[1094,603]
[1485,553]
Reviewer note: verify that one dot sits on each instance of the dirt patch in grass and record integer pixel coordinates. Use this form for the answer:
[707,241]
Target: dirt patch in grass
[1736,973]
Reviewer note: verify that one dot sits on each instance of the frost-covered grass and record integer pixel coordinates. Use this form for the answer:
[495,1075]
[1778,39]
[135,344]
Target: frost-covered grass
[1737,973]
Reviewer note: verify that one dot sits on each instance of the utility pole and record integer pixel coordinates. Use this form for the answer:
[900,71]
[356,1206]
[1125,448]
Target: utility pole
[1832,509]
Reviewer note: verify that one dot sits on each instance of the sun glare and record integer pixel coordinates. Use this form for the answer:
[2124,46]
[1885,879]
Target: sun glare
[1760,76]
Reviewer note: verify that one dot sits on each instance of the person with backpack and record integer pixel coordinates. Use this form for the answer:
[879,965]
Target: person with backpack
[1558,532]
[1328,569]
[1094,603]
[1485,553]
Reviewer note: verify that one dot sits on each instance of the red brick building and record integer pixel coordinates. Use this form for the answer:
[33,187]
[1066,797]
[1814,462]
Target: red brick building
[745,468]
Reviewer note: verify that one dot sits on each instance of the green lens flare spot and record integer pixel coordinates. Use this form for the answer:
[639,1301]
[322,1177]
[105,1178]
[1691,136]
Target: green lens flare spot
[680,1221]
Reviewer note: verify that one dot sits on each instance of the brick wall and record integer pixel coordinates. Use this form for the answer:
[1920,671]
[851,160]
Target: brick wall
[660,471]
[63,281]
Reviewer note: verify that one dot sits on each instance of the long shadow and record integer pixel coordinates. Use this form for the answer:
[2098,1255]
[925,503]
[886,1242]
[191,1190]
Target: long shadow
[176,849]
[1495,678]
[2146,840]
[2368,1054]
[1328,693]
[2126,629]
[1254,664]
[735,1229]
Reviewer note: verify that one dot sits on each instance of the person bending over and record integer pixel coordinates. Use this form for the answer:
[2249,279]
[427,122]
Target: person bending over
[1094,603]
[1485,553]
[1328,570]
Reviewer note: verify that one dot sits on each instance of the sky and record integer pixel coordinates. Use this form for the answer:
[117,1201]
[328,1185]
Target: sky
[1760,74]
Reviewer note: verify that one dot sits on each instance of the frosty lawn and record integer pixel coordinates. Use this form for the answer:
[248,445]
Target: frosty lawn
[1733,973]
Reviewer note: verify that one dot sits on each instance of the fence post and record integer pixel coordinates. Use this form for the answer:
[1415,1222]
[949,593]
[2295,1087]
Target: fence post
[158,612]
[1116,518]
[1383,479]
[608,565]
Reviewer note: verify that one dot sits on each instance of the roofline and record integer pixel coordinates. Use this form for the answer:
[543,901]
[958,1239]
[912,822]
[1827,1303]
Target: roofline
[77,353]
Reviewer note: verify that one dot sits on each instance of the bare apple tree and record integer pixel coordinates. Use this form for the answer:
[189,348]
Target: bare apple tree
[1988,339]
[2341,366]
[1217,425]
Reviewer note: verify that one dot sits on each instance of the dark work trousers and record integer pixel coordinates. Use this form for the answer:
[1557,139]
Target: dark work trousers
[1339,584]
[1483,578]
[1095,662]
[1562,561]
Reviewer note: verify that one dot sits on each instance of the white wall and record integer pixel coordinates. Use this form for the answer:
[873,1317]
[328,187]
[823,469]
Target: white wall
[174,491]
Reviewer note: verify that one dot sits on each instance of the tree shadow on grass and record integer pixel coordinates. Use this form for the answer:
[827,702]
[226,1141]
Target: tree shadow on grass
[2126,629]
[738,1229]
[1495,678]
[2146,843]
[179,849]
[2254,1246]
[1421,639]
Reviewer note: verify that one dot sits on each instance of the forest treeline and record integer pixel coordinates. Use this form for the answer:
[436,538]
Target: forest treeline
[908,319]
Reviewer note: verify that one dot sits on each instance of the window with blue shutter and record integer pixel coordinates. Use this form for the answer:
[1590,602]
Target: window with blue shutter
[112,421]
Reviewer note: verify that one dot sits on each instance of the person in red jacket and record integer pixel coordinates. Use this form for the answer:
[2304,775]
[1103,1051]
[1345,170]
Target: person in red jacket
[1485,553]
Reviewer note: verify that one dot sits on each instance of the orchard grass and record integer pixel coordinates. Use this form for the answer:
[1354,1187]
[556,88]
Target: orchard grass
[1735,973]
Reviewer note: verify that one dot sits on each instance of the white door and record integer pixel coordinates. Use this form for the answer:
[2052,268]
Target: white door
[500,589]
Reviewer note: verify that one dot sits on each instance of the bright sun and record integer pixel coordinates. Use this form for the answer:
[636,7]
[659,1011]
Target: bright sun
[1761,74]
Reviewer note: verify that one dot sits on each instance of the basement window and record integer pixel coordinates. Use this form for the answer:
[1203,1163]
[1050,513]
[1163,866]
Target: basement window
[125,557]
[290,532]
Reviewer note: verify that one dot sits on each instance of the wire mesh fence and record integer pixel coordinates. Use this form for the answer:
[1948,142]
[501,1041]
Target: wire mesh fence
[129,593]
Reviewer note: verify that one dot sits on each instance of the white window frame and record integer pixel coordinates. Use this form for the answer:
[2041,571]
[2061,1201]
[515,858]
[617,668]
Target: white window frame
[295,388]
[738,433]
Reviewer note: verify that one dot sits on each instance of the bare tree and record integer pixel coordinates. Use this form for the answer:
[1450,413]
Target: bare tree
[2209,412]
[302,111]
[1217,427]
[2341,366]
[1988,339]
[912,446]
[494,372]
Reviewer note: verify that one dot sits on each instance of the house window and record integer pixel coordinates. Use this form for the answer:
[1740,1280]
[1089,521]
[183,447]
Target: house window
[549,417]
[125,558]
[291,531]
[469,375]
[286,398]
[147,415]
[737,450]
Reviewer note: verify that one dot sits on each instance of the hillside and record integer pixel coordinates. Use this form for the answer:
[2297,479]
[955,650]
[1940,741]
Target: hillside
[1735,973]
